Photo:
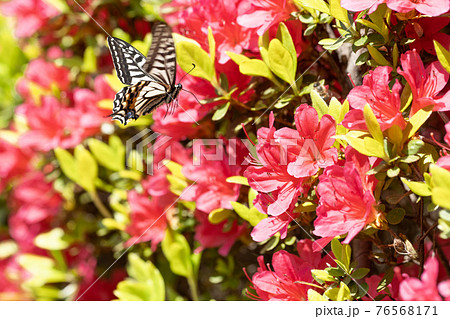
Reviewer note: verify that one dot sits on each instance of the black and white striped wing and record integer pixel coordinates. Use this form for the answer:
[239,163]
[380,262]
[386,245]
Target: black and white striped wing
[128,62]
[161,62]
[139,99]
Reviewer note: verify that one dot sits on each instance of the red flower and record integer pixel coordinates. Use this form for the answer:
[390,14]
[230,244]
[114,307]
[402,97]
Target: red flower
[284,282]
[264,14]
[270,225]
[148,220]
[425,31]
[34,203]
[346,202]
[384,103]
[273,176]
[428,7]
[214,166]
[55,125]
[31,15]
[86,100]
[194,17]
[313,149]
[46,75]
[218,235]
[426,84]
[425,288]
[15,162]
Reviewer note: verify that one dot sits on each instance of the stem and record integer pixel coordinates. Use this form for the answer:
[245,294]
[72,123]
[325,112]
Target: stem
[99,204]
[193,288]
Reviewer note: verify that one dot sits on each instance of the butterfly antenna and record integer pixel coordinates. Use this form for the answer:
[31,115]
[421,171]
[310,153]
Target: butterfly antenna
[193,67]
[193,96]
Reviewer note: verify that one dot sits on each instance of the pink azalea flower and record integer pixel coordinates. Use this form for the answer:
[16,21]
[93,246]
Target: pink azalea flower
[86,100]
[284,281]
[31,15]
[272,177]
[425,288]
[10,281]
[34,203]
[218,235]
[103,288]
[426,84]
[264,14]
[346,202]
[428,7]
[148,220]
[15,162]
[270,225]
[46,75]
[313,149]
[384,103]
[212,191]
[194,16]
[55,125]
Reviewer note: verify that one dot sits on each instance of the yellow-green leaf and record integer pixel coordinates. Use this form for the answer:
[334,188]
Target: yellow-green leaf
[237,58]
[320,5]
[177,251]
[212,45]
[86,168]
[67,164]
[238,180]
[377,56]
[252,215]
[255,67]
[281,62]
[218,215]
[372,124]
[419,188]
[285,37]
[338,12]
[416,121]
[443,55]
[318,104]
[188,53]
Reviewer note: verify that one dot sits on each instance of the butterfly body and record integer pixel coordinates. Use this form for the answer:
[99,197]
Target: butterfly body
[151,79]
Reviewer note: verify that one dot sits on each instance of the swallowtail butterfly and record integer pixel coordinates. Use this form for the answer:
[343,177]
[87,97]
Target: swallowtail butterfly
[151,80]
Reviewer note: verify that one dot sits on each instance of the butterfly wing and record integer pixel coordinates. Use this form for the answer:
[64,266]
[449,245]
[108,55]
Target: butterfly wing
[161,62]
[139,99]
[128,62]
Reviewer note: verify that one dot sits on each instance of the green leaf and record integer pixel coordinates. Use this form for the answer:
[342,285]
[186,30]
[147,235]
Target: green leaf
[418,188]
[322,276]
[221,112]
[52,240]
[280,61]
[237,58]
[395,55]
[395,216]
[360,273]
[315,296]
[61,5]
[285,37]
[89,61]
[106,155]
[416,121]
[67,164]
[331,43]
[377,56]
[338,12]
[212,45]
[238,180]
[344,293]
[177,251]
[255,67]
[145,282]
[372,124]
[444,224]
[318,104]
[252,215]
[320,5]
[440,186]
[86,168]
[443,55]
[42,270]
[219,215]
[414,146]
[188,53]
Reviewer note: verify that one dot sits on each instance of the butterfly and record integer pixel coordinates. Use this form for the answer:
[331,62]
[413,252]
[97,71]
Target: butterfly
[150,80]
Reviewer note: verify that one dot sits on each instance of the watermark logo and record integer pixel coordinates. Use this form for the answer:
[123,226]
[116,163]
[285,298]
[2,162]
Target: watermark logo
[142,147]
